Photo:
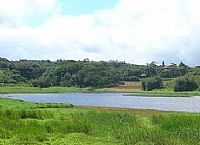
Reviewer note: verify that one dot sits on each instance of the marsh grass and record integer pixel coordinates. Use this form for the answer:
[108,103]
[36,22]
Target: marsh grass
[39,124]
[53,105]
[29,126]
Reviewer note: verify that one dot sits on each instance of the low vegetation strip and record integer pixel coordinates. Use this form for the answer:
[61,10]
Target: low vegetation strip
[160,93]
[29,89]
[131,92]
[32,123]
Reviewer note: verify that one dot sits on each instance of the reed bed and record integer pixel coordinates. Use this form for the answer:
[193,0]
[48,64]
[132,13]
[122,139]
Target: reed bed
[54,124]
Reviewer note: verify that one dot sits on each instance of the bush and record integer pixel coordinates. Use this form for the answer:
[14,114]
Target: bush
[132,79]
[40,83]
[185,84]
[152,83]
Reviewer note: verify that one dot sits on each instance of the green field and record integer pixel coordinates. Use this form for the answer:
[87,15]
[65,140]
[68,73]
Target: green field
[23,123]
[29,89]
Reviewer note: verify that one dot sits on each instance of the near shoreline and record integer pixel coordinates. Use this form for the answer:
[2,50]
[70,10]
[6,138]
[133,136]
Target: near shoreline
[57,123]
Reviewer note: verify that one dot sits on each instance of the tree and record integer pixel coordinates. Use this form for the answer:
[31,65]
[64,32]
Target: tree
[152,83]
[185,84]
[150,71]
[9,77]
[183,65]
[183,69]
[163,63]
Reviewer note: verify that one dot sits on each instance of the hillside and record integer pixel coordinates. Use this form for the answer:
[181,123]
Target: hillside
[70,73]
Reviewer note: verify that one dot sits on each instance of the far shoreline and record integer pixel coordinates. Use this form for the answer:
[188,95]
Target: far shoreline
[128,92]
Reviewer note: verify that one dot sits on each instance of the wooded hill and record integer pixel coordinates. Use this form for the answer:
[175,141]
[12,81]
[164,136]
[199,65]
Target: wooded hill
[46,73]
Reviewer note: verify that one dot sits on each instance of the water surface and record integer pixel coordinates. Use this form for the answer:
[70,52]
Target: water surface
[188,104]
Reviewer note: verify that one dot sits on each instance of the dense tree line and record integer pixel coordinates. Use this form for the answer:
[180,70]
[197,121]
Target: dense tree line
[45,73]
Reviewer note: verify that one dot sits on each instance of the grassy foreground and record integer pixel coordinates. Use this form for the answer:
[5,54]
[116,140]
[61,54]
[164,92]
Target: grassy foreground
[23,123]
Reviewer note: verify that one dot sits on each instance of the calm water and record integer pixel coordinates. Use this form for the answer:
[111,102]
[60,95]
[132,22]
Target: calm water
[116,100]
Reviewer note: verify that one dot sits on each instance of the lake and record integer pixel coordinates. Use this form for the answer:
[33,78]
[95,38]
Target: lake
[187,104]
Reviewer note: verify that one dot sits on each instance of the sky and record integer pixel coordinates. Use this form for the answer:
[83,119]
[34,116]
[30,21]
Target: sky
[135,31]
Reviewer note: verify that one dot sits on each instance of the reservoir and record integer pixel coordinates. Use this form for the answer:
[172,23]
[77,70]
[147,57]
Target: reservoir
[121,100]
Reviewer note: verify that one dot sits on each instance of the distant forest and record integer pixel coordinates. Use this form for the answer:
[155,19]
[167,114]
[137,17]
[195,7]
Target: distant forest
[46,73]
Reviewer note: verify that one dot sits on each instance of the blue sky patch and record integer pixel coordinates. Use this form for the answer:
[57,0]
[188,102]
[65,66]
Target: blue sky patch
[80,7]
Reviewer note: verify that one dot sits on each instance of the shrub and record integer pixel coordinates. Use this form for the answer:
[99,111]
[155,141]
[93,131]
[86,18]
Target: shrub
[152,83]
[185,84]
[132,79]
[54,105]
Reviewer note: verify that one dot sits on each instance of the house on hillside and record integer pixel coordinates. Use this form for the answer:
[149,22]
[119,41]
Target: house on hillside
[171,66]
[143,76]
[197,66]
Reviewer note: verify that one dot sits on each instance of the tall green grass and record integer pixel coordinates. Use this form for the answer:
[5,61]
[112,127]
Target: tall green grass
[23,123]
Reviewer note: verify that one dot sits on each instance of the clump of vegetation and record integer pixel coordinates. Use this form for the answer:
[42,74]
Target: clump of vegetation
[152,83]
[185,84]
[53,105]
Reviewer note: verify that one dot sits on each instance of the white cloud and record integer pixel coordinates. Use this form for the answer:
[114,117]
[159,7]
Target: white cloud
[137,31]
[17,11]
